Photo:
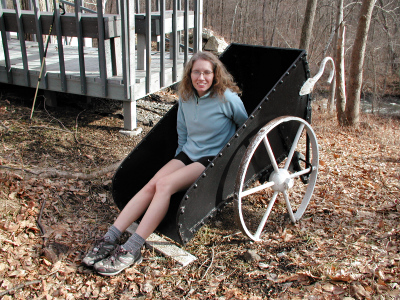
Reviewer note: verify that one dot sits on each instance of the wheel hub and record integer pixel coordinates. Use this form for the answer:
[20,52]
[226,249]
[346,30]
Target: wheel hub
[282,181]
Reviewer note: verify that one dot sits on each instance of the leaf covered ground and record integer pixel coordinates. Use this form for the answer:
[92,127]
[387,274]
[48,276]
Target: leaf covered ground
[346,246]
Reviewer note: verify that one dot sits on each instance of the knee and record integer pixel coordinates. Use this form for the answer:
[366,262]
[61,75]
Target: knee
[163,185]
[150,187]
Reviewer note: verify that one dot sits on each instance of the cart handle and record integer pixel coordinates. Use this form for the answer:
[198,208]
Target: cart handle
[308,86]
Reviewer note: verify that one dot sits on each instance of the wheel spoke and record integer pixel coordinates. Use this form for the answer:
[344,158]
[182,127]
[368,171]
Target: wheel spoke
[302,172]
[270,154]
[294,146]
[265,217]
[289,207]
[256,189]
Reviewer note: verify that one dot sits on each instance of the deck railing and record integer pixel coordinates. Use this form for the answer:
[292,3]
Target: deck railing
[136,52]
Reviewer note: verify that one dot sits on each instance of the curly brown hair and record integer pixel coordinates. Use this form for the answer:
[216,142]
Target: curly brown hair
[222,79]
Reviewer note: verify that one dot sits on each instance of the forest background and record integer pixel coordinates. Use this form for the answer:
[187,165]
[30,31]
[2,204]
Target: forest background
[279,23]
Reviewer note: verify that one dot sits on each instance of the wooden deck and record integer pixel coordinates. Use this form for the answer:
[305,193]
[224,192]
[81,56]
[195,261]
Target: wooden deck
[122,66]
[72,70]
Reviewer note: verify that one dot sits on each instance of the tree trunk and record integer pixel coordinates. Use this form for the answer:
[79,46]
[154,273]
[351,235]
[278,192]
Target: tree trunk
[110,7]
[340,77]
[246,37]
[339,20]
[357,62]
[271,42]
[240,33]
[233,21]
[222,18]
[308,24]
[25,5]
[264,21]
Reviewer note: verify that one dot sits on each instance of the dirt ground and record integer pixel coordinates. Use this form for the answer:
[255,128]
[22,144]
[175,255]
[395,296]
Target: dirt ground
[346,246]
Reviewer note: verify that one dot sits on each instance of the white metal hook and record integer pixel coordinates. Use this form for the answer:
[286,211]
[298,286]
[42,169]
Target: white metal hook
[308,86]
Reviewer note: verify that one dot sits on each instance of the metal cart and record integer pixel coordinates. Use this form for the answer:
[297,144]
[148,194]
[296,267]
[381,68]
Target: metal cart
[274,155]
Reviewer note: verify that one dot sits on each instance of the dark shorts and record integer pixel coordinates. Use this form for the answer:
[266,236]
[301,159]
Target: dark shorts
[187,161]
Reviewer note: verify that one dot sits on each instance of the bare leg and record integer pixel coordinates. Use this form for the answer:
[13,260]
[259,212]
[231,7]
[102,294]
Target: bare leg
[141,201]
[165,188]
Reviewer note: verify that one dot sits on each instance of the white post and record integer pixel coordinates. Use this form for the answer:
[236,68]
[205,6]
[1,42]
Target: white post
[130,121]
[200,29]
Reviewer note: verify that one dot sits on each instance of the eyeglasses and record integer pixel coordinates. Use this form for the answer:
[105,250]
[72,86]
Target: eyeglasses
[205,73]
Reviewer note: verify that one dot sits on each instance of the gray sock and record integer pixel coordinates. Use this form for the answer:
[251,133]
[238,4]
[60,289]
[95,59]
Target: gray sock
[134,243]
[113,234]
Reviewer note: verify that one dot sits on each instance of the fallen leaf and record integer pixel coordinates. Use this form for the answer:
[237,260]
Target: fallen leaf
[359,291]
[337,290]
[147,287]
[10,226]
[56,266]
[342,276]
[17,273]
[328,287]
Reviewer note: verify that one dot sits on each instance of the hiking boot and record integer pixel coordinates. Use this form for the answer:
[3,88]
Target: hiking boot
[119,260]
[101,249]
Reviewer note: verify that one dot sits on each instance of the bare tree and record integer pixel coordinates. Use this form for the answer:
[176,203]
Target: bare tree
[276,19]
[222,13]
[233,20]
[306,30]
[25,5]
[264,21]
[357,62]
[240,36]
[385,14]
[246,28]
[339,20]
[340,76]
[110,7]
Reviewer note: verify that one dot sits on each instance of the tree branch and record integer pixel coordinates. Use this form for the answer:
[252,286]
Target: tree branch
[19,287]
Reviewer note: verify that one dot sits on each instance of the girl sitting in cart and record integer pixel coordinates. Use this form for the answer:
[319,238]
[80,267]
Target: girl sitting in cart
[209,112]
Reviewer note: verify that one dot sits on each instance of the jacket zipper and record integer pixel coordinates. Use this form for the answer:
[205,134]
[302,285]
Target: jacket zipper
[197,104]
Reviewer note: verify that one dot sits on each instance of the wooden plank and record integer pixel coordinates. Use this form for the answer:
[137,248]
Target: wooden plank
[198,23]
[186,32]
[68,23]
[78,16]
[131,123]
[124,23]
[21,35]
[101,46]
[175,41]
[166,248]
[148,46]
[156,19]
[162,44]
[4,39]
[39,38]
[61,61]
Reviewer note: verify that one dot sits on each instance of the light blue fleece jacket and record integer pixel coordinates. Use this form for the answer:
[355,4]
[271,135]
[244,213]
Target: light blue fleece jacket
[207,123]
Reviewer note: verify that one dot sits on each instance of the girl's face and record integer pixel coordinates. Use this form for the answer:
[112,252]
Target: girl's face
[202,76]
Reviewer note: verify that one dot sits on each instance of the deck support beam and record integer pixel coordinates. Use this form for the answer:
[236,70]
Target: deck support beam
[129,115]
[50,98]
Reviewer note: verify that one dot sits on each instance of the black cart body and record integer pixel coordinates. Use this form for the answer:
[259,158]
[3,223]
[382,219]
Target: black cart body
[270,79]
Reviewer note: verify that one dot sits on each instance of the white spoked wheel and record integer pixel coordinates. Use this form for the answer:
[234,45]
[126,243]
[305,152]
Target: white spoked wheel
[285,179]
